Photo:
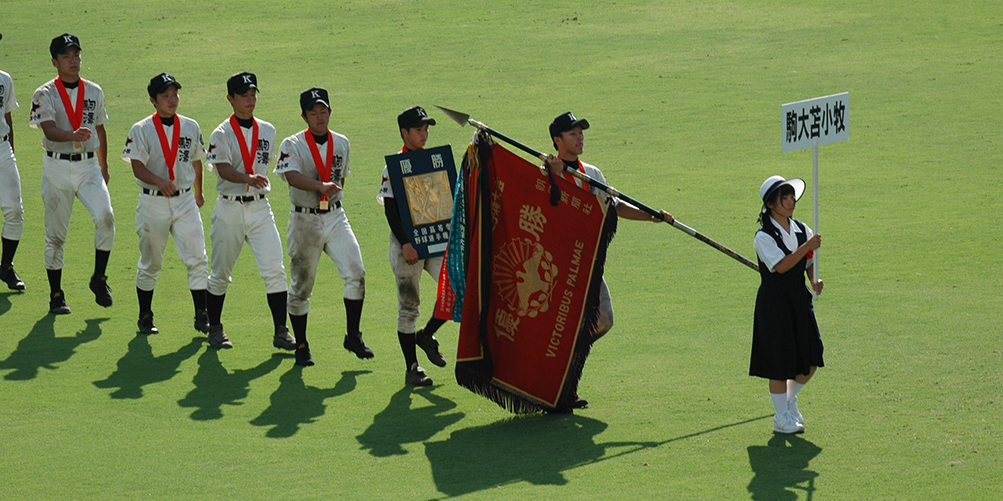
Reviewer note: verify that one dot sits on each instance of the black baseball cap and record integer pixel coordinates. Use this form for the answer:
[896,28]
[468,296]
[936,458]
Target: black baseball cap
[565,122]
[161,83]
[241,83]
[414,117]
[63,42]
[310,97]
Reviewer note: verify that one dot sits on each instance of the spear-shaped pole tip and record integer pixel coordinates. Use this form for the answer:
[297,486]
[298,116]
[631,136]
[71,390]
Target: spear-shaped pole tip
[458,117]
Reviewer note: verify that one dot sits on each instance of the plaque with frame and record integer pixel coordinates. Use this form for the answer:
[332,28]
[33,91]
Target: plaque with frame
[423,184]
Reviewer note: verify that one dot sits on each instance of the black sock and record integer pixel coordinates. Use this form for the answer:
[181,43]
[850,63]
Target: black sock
[277,303]
[55,280]
[9,248]
[407,348]
[198,298]
[145,301]
[101,262]
[299,328]
[353,313]
[432,326]
[214,306]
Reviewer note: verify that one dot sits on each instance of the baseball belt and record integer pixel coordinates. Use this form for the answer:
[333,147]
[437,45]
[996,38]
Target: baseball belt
[156,193]
[311,210]
[237,198]
[76,157]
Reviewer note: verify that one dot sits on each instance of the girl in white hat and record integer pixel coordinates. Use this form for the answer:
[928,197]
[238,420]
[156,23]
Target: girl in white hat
[786,345]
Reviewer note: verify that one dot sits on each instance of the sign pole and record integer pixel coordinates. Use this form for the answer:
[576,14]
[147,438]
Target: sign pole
[814,175]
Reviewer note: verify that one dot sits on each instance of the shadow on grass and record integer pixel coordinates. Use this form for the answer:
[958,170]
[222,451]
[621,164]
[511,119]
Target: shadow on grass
[138,367]
[781,466]
[294,403]
[534,449]
[5,302]
[216,387]
[399,424]
[42,349]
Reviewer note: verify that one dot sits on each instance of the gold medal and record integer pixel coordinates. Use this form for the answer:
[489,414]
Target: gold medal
[324,205]
[77,145]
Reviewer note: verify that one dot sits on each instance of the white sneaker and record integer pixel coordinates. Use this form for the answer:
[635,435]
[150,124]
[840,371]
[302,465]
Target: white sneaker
[792,407]
[785,423]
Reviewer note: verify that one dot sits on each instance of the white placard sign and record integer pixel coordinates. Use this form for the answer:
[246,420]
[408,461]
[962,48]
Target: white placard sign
[823,118]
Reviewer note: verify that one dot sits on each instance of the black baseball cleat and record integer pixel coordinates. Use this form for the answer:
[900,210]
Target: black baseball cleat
[57,304]
[102,293]
[303,355]
[355,344]
[202,322]
[415,376]
[430,346]
[146,324]
[283,340]
[579,403]
[9,276]
[218,339]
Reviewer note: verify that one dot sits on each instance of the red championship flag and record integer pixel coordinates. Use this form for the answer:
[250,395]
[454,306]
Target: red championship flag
[532,281]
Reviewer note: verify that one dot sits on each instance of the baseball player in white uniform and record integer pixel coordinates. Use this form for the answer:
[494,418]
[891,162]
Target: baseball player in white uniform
[71,113]
[413,123]
[239,152]
[315,164]
[569,141]
[166,152]
[10,187]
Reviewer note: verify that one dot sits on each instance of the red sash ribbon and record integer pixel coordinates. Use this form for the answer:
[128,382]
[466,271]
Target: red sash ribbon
[323,170]
[75,116]
[170,151]
[245,153]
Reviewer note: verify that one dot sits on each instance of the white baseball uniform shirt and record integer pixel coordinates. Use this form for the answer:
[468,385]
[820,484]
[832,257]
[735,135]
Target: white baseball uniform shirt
[47,105]
[10,178]
[158,217]
[295,154]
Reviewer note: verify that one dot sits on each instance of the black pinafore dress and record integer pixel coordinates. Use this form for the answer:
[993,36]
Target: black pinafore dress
[785,337]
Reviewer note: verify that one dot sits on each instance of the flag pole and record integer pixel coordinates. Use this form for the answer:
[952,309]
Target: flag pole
[463,119]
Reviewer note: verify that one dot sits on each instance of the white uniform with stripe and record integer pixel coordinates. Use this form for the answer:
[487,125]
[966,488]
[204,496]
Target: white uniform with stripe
[64,179]
[310,234]
[243,214]
[408,275]
[158,216]
[10,178]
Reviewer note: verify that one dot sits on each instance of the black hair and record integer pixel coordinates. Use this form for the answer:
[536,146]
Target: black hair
[774,199]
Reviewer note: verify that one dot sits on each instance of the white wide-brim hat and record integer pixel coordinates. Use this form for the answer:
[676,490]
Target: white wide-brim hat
[773,183]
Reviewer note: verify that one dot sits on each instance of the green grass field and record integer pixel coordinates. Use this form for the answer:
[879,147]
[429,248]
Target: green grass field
[684,100]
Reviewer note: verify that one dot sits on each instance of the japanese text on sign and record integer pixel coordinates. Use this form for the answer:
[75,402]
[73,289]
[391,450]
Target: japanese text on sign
[823,118]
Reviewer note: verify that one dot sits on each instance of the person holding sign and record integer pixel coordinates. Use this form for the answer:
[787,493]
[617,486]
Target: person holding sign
[71,113]
[239,151]
[315,164]
[786,345]
[405,263]
[166,152]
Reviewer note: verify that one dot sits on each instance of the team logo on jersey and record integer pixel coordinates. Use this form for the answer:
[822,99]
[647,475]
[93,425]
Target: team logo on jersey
[525,275]
[34,107]
[128,141]
[283,155]
[211,147]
